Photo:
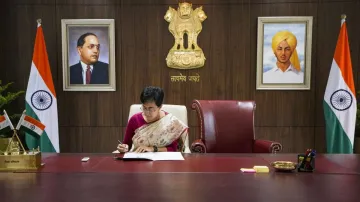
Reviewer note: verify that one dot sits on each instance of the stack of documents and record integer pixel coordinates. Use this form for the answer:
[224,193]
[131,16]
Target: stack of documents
[154,156]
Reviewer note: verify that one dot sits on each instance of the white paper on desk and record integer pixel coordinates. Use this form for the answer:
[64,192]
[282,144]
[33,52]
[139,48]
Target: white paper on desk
[155,156]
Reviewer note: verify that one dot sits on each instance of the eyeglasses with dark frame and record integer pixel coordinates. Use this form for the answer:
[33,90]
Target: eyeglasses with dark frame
[150,109]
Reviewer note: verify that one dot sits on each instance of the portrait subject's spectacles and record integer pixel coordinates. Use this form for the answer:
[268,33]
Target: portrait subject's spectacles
[91,46]
[150,109]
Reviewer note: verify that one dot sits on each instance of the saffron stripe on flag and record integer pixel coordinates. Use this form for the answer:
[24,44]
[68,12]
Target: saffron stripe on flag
[342,58]
[41,61]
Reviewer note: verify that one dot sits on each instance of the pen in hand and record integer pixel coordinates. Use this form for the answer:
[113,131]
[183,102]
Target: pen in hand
[124,146]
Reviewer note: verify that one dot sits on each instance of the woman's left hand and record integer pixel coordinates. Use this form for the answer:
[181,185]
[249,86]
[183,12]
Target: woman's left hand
[142,149]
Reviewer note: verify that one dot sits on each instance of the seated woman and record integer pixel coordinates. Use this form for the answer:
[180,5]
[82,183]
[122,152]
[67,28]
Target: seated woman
[152,130]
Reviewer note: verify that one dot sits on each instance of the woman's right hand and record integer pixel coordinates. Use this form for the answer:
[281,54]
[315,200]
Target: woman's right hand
[123,148]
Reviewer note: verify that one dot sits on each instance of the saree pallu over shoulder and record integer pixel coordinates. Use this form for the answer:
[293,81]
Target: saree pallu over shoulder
[160,133]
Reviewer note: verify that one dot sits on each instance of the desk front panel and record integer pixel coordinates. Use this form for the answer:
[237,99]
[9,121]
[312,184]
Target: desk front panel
[182,187]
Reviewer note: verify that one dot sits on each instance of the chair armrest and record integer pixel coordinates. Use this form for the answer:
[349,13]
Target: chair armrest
[266,146]
[198,146]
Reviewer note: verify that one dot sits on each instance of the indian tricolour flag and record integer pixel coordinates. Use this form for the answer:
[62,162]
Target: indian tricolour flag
[30,125]
[5,123]
[41,102]
[339,100]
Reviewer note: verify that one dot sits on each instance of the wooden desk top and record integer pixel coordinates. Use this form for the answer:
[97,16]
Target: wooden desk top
[337,164]
[201,177]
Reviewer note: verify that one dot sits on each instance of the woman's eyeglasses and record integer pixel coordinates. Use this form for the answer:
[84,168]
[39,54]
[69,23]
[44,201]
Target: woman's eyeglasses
[150,109]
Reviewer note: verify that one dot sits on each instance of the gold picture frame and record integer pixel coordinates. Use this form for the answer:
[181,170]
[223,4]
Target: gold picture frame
[80,53]
[284,53]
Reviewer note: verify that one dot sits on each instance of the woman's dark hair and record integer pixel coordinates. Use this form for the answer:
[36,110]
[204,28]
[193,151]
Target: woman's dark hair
[152,94]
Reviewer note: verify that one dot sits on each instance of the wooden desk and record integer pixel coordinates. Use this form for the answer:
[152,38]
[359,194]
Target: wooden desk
[201,177]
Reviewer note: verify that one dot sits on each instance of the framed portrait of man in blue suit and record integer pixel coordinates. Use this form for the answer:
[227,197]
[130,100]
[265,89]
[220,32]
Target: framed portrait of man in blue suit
[88,54]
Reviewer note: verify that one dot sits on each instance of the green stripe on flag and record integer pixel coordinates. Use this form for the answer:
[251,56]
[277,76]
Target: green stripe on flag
[29,132]
[43,141]
[5,130]
[337,140]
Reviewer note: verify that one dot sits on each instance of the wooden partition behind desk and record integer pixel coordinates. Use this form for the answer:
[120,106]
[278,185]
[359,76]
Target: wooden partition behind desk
[93,121]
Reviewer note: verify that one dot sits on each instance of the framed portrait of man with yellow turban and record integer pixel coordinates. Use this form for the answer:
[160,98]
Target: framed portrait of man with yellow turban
[284,53]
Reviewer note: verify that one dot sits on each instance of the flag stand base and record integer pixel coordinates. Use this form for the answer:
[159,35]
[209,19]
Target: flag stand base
[16,158]
[27,161]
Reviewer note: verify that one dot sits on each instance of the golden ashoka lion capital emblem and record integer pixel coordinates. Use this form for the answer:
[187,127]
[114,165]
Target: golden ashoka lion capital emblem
[185,26]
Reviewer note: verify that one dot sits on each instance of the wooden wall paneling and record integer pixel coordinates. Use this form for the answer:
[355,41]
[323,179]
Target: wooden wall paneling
[18,44]
[275,2]
[278,107]
[196,90]
[118,96]
[302,138]
[89,139]
[212,39]
[100,139]
[320,140]
[10,71]
[256,10]
[92,121]
[293,139]
[284,108]
[89,108]
[141,31]
[279,134]
[74,109]
[109,111]
[86,110]
[71,139]
[141,65]
[32,3]
[19,51]
[131,76]
[3,35]
[216,86]
[154,39]
[238,70]
[356,66]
